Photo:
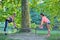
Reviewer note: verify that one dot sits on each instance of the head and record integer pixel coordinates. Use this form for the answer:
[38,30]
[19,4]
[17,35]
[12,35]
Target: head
[41,14]
[14,14]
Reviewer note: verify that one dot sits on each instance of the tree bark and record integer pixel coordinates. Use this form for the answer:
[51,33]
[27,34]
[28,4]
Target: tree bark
[25,16]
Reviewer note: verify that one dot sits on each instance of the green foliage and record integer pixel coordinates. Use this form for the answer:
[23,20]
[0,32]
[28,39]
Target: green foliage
[8,7]
[51,8]
[33,25]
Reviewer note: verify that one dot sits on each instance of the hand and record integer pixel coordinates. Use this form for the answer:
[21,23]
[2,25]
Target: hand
[41,27]
[16,28]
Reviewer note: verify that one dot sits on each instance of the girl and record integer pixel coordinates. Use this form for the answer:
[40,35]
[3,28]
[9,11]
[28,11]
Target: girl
[9,20]
[47,21]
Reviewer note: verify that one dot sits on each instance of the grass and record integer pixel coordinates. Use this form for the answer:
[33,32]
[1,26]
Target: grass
[5,37]
[54,37]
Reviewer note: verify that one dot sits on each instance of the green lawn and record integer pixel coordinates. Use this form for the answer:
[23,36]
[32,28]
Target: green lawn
[5,37]
[55,35]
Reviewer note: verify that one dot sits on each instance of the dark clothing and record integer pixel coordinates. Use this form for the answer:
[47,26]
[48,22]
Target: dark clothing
[6,22]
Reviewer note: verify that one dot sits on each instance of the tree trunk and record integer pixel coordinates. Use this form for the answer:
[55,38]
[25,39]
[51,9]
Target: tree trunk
[25,16]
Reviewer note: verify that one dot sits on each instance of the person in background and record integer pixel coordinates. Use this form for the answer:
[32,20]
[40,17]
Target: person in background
[46,21]
[9,20]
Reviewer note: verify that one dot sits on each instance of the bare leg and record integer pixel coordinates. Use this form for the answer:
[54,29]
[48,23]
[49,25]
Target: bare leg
[48,27]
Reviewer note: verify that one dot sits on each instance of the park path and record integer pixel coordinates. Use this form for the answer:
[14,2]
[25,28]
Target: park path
[27,36]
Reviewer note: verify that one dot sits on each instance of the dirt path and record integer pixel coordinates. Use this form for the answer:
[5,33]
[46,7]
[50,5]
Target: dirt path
[27,36]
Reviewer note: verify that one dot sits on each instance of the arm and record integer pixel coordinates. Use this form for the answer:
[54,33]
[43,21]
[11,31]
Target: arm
[41,25]
[42,22]
[14,24]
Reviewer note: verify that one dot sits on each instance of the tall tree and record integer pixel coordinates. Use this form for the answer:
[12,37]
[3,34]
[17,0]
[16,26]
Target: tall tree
[25,16]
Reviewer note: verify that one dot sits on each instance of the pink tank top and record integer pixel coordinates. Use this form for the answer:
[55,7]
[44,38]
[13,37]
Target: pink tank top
[45,19]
